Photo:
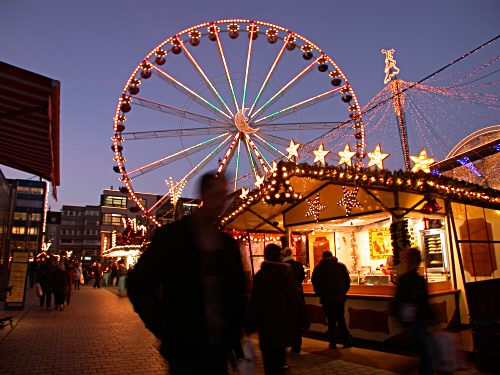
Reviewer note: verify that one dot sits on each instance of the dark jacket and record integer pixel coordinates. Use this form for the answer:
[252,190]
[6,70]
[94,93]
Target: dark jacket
[166,288]
[60,282]
[275,308]
[411,296]
[298,272]
[331,280]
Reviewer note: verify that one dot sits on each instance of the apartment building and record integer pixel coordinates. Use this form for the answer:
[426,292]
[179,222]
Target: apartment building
[80,231]
[28,216]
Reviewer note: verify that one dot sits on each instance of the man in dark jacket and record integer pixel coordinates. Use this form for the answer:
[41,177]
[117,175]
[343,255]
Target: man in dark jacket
[299,275]
[188,287]
[331,282]
[411,307]
[274,310]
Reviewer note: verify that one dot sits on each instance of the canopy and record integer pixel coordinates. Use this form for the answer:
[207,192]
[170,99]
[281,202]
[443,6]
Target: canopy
[29,122]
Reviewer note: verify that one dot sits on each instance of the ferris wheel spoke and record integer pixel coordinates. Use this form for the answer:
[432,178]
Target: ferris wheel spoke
[249,54]
[185,132]
[302,104]
[260,158]
[269,146]
[177,156]
[228,155]
[268,76]
[205,77]
[189,92]
[177,111]
[290,84]
[193,171]
[238,152]
[254,168]
[315,125]
[226,69]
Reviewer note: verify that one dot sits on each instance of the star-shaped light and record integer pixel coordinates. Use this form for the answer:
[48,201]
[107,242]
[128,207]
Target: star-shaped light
[244,193]
[422,162]
[349,199]
[259,180]
[320,154]
[346,155]
[377,158]
[314,207]
[293,150]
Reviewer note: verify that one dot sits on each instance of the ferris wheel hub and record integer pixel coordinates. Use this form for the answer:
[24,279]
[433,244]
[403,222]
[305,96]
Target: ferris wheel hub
[241,122]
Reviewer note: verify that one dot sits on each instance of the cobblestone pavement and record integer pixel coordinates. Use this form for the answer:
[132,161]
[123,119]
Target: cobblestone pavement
[98,333]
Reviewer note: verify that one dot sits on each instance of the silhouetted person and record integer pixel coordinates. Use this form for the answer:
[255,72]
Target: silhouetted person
[188,287]
[299,275]
[411,306]
[60,285]
[98,275]
[331,282]
[274,311]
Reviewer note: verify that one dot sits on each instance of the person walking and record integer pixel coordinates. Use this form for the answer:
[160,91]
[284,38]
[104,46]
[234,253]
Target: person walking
[78,275]
[70,269]
[60,285]
[44,276]
[274,310]
[188,287]
[331,282]
[299,275]
[97,275]
[411,307]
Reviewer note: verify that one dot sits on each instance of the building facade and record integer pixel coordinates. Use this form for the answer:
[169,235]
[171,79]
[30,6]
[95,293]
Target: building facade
[80,227]
[53,232]
[28,216]
[116,208]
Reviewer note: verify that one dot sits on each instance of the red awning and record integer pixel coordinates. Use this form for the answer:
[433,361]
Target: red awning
[29,123]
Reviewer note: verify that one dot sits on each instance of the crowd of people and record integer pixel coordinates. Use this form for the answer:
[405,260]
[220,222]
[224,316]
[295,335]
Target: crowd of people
[58,277]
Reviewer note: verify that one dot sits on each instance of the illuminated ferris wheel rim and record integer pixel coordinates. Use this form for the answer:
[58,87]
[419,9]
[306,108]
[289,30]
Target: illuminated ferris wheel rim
[242,124]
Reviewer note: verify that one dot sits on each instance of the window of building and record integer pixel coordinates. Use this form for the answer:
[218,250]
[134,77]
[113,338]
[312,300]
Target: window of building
[35,216]
[33,231]
[114,201]
[112,219]
[18,230]
[20,216]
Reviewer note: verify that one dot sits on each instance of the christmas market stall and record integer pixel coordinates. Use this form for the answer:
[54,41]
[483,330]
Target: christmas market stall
[367,217]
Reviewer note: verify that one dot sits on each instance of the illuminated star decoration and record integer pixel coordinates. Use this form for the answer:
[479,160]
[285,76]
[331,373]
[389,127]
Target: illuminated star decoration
[377,158]
[293,150]
[259,180]
[320,154]
[244,193]
[349,200]
[314,207]
[422,162]
[346,155]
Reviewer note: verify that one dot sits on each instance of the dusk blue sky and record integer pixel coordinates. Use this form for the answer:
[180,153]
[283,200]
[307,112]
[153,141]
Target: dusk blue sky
[92,46]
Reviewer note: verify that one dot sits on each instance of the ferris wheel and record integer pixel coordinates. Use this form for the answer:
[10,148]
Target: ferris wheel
[230,96]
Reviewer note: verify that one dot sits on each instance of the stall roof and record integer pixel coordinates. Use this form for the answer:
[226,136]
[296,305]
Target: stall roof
[29,122]
[261,210]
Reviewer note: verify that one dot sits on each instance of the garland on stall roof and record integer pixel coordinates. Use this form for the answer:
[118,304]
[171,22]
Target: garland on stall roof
[354,253]
[277,189]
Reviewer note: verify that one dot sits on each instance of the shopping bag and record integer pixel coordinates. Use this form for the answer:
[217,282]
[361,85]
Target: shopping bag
[82,279]
[246,366]
[38,289]
[448,355]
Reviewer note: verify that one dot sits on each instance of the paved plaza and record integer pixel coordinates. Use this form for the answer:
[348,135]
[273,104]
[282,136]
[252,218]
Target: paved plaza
[99,333]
